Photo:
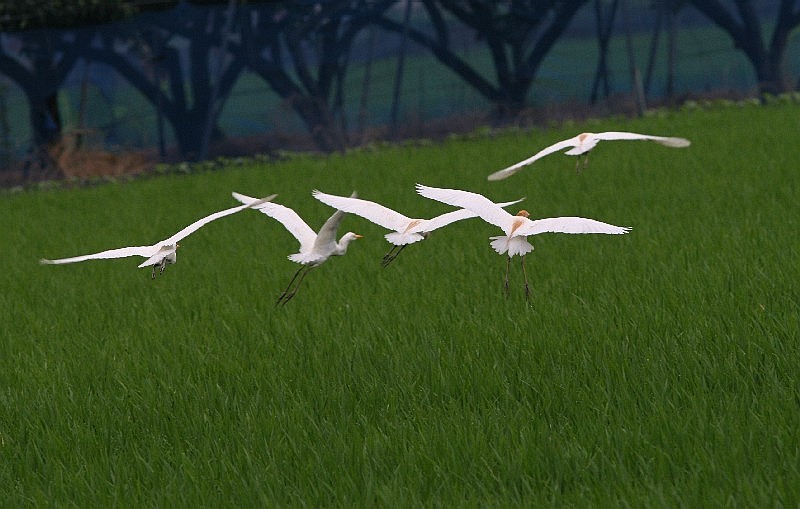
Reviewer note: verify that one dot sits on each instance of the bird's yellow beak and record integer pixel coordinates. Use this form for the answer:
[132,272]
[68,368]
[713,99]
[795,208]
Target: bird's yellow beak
[359,236]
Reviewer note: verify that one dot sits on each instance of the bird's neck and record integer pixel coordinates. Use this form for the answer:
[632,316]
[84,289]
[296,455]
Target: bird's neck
[341,246]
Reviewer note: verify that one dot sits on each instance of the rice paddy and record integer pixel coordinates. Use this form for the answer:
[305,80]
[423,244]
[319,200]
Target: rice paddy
[654,369]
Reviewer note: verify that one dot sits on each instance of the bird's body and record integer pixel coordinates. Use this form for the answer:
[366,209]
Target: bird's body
[406,230]
[516,228]
[315,248]
[160,254]
[582,144]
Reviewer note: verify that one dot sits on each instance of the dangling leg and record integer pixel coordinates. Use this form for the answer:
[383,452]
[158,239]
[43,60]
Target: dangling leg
[297,286]
[389,259]
[388,255]
[505,285]
[585,160]
[160,266]
[525,275]
[578,164]
[289,285]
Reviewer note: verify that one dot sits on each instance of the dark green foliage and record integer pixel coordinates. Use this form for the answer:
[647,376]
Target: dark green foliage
[31,14]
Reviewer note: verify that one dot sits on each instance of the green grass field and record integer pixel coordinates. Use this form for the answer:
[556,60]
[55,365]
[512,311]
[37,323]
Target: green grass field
[655,369]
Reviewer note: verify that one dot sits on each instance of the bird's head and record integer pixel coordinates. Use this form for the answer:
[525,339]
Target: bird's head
[523,213]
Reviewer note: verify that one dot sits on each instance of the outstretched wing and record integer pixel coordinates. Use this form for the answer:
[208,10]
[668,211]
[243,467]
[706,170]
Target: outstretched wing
[371,211]
[122,252]
[212,217]
[664,140]
[451,217]
[293,223]
[507,172]
[327,234]
[485,208]
[570,225]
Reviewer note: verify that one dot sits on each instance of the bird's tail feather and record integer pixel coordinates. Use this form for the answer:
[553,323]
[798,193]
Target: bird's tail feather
[401,239]
[514,246]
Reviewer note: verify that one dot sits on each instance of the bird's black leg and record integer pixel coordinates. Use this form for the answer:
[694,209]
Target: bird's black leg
[525,275]
[505,285]
[388,259]
[297,286]
[289,285]
[158,266]
[578,164]
[388,256]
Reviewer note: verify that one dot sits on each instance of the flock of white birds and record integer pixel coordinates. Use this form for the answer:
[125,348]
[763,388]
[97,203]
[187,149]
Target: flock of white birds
[317,247]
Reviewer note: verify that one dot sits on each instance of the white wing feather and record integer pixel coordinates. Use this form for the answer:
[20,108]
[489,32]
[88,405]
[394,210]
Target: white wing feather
[443,220]
[293,223]
[211,217]
[327,234]
[122,252]
[570,225]
[371,211]
[451,217]
[664,140]
[485,208]
[507,172]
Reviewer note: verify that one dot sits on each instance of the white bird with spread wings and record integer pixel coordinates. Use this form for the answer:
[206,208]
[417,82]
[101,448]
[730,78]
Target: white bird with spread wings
[516,228]
[160,254]
[582,144]
[406,230]
[315,248]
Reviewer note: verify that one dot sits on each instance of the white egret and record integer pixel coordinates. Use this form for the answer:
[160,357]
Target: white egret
[315,248]
[160,254]
[406,230]
[582,144]
[516,228]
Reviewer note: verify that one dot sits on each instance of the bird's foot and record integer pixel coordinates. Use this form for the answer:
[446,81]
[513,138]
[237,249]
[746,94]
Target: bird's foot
[289,297]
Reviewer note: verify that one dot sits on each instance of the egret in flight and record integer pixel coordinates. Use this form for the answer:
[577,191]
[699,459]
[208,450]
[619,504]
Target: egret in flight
[582,144]
[406,230]
[162,253]
[315,248]
[516,228]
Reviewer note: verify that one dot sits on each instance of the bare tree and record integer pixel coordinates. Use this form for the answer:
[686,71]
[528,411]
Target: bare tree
[604,22]
[519,34]
[39,68]
[741,21]
[148,49]
[302,49]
